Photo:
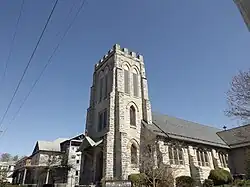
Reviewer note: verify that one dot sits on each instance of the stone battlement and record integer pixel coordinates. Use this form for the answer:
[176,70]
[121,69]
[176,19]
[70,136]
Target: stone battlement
[123,51]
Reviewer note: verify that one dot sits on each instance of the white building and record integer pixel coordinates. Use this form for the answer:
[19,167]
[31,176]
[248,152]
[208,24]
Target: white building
[71,149]
[6,170]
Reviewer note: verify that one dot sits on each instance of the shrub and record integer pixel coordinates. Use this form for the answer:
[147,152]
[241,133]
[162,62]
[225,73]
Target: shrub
[185,181]
[239,182]
[2,184]
[247,182]
[220,176]
[229,176]
[208,183]
[137,179]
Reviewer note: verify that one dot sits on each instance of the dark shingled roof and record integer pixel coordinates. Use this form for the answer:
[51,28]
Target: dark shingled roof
[236,136]
[185,130]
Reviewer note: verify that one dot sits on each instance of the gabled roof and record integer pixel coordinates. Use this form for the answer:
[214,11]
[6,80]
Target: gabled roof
[89,142]
[48,145]
[236,136]
[172,127]
[79,137]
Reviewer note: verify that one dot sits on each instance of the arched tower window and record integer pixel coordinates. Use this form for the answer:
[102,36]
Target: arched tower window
[133,154]
[101,80]
[135,83]
[126,79]
[106,73]
[132,116]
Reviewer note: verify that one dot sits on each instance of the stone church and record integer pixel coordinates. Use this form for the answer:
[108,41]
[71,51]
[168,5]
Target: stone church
[120,109]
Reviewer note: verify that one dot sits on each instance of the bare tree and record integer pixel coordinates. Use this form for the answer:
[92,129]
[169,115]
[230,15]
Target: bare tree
[5,157]
[238,96]
[55,165]
[157,172]
[15,158]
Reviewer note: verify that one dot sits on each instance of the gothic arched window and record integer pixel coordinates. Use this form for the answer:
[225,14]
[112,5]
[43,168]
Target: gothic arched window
[135,83]
[105,91]
[223,159]
[126,80]
[101,82]
[202,157]
[133,154]
[175,155]
[132,116]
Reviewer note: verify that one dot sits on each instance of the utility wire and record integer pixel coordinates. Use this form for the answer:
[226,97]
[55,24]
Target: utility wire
[12,43]
[46,65]
[27,66]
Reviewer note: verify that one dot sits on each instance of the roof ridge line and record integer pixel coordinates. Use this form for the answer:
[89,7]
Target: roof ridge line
[197,138]
[234,128]
[185,120]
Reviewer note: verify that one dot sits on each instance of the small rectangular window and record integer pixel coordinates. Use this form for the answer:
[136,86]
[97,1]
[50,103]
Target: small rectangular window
[198,157]
[220,159]
[135,84]
[202,158]
[170,155]
[77,161]
[206,158]
[180,154]
[126,81]
[104,118]
[175,156]
[76,173]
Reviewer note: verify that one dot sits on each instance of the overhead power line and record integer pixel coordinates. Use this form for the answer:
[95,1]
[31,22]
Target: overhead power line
[28,64]
[46,65]
[12,43]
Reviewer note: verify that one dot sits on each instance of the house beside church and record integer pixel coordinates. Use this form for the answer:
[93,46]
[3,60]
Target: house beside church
[56,162]
[120,113]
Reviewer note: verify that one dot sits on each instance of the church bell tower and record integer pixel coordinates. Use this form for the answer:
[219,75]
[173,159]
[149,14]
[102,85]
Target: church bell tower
[119,102]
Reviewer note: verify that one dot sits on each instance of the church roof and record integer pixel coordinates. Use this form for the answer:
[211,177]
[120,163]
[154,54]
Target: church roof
[172,127]
[236,136]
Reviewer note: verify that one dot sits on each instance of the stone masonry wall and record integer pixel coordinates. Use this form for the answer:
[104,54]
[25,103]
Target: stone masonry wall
[191,166]
[126,134]
[178,170]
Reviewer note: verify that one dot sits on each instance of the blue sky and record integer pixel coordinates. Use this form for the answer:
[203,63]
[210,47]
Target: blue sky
[191,50]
